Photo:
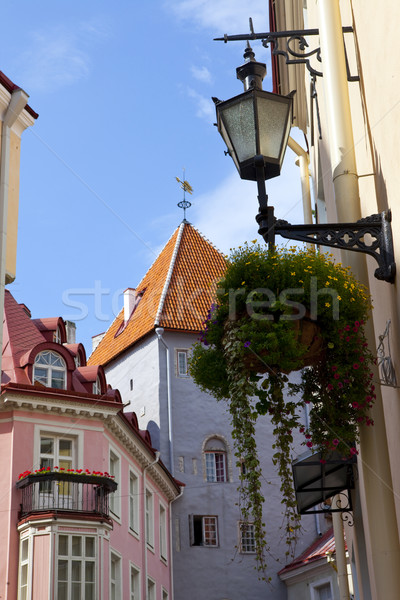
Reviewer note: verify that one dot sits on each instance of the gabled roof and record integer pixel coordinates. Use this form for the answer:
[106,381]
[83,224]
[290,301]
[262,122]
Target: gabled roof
[320,548]
[177,293]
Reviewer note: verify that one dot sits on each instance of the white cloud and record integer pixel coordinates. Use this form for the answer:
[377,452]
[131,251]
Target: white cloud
[201,73]
[226,16]
[59,57]
[205,107]
[226,215]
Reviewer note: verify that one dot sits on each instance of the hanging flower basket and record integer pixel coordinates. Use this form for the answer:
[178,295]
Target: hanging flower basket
[277,312]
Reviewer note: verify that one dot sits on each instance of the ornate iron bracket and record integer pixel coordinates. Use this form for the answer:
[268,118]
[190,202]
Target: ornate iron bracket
[346,236]
[295,46]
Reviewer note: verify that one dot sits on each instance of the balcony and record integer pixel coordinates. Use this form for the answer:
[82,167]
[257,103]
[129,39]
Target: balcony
[66,493]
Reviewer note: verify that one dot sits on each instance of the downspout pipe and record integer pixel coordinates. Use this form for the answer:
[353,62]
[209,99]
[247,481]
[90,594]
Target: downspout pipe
[171,550]
[18,101]
[382,533]
[304,161]
[157,458]
[159,333]
[340,551]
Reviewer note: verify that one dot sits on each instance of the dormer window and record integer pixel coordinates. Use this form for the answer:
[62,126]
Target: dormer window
[50,370]
[97,386]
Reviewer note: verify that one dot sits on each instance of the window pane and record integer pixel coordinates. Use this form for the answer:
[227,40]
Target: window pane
[62,570]
[65,447]
[76,546]
[63,545]
[76,570]
[75,591]
[210,531]
[89,547]
[46,445]
[220,466]
[89,591]
[182,363]
[24,575]
[89,572]
[56,361]
[58,379]
[210,467]
[40,375]
[24,550]
[62,589]
[43,358]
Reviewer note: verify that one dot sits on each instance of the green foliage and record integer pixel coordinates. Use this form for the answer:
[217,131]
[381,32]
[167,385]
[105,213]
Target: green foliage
[257,331]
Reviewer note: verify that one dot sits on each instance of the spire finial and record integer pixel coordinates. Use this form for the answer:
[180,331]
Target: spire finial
[186,187]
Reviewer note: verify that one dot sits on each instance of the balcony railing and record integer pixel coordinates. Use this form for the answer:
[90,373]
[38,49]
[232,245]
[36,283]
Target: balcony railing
[66,492]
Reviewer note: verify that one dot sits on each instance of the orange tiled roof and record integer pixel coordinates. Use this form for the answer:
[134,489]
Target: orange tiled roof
[177,293]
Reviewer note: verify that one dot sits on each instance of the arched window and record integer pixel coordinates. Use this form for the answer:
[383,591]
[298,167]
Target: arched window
[50,370]
[216,463]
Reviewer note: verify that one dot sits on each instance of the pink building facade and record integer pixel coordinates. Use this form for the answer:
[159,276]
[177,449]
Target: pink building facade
[85,499]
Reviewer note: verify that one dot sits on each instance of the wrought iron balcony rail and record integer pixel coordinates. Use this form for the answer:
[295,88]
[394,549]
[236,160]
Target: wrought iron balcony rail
[66,492]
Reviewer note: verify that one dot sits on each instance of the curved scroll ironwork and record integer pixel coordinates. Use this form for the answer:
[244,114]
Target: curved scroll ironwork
[301,57]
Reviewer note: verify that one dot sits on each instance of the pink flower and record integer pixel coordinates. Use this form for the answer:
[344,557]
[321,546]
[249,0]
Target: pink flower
[329,387]
[357,323]
[322,461]
[334,368]
[336,375]
[335,442]
[353,451]
[340,384]
[302,430]
[347,328]
[309,444]
[355,405]
[347,339]
[356,366]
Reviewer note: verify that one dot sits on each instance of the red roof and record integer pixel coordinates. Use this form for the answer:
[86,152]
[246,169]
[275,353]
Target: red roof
[177,292]
[321,548]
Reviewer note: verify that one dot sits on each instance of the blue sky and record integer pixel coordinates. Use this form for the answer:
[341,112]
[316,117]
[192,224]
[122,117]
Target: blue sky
[124,91]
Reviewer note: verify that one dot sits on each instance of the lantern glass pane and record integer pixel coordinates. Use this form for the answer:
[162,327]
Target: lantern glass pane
[274,127]
[239,123]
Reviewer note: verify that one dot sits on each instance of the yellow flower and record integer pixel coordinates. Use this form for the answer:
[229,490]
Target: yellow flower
[327,304]
[243,283]
[253,241]
[327,283]
[339,297]
[294,273]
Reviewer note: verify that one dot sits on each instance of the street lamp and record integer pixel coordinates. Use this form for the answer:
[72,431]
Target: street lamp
[255,127]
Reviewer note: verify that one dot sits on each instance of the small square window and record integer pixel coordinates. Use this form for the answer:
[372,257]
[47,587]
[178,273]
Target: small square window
[247,539]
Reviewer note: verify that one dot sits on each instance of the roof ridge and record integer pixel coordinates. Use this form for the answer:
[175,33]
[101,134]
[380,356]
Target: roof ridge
[169,274]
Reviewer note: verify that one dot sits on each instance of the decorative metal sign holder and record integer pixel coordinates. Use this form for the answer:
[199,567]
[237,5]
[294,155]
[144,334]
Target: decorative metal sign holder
[345,236]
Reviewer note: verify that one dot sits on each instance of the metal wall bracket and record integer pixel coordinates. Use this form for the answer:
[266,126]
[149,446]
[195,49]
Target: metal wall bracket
[371,235]
[294,46]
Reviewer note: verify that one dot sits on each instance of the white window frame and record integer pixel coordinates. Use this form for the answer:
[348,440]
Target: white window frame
[164,594]
[244,540]
[203,518]
[28,564]
[151,592]
[49,369]
[149,518]
[318,584]
[62,432]
[134,503]
[70,558]
[115,499]
[117,558]
[184,373]
[211,466]
[163,532]
[134,592]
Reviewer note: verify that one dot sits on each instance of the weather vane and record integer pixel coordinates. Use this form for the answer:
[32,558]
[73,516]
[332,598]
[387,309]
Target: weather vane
[186,187]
